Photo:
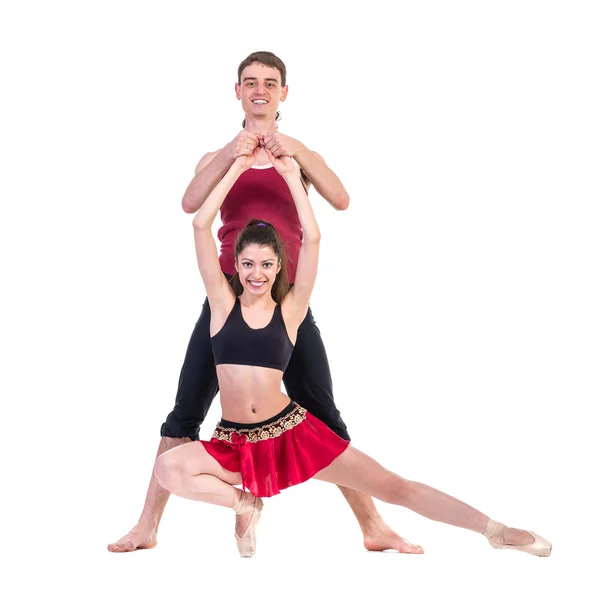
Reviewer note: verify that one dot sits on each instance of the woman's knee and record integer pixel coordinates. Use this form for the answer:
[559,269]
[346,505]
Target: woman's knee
[168,472]
[401,490]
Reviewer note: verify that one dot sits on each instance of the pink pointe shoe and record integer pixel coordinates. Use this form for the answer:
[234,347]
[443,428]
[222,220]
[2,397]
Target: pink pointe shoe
[248,503]
[539,546]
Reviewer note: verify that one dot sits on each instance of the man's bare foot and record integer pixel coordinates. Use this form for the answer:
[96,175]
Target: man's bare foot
[381,538]
[139,538]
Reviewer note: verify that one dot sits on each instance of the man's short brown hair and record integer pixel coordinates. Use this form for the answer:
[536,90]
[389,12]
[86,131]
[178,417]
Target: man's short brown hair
[268,59]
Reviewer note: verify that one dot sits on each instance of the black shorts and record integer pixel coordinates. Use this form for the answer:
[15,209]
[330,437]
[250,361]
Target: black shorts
[307,380]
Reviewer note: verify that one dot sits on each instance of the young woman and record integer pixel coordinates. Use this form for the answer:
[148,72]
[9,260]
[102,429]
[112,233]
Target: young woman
[264,441]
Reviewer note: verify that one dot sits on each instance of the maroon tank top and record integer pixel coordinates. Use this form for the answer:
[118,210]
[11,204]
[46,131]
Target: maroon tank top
[260,193]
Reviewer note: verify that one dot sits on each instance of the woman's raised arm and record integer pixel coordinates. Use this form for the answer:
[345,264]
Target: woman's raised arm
[296,302]
[215,283]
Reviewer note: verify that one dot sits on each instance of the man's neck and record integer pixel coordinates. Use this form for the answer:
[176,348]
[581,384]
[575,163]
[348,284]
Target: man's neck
[264,126]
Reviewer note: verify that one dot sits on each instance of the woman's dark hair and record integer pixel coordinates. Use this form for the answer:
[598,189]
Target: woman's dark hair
[262,233]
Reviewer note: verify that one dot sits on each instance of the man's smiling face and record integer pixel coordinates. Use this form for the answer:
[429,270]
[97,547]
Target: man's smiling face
[260,90]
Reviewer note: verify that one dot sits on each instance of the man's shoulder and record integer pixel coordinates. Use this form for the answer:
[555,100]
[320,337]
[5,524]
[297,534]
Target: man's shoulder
[208,157]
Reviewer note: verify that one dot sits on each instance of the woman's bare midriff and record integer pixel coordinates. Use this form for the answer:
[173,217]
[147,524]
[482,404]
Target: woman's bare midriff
[250,394]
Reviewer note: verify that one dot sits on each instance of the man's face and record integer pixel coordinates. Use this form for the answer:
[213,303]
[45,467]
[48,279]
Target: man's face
[260,90]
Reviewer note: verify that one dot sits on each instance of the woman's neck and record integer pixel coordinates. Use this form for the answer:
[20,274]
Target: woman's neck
[264,301]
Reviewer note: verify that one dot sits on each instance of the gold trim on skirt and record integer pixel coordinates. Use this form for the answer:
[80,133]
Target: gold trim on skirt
[263,432]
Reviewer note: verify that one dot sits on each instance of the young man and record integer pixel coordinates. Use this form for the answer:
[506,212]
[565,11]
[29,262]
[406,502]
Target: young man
[260,193]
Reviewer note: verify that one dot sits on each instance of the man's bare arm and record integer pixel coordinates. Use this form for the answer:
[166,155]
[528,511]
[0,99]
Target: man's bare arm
[313,166]
[209,172]
[212,167]
[326,182]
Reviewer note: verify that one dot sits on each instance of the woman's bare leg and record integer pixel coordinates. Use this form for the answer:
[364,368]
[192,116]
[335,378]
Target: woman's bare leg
[356,470]
[191,472]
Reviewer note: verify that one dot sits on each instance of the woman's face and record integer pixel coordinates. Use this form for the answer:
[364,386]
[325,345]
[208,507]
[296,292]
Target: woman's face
[257,267]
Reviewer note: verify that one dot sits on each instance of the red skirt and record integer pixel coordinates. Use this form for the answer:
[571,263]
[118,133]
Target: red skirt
[283,451]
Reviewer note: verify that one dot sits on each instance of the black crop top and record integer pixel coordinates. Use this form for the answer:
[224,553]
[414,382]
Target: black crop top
[238,344]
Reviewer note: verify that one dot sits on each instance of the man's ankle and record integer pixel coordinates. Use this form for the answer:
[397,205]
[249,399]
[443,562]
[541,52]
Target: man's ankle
[371,524]
[147,523]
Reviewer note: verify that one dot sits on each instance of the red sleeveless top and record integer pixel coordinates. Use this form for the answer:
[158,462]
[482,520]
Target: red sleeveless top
[260,193]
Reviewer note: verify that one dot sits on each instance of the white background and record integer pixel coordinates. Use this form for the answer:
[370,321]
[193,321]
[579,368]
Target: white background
[457,296]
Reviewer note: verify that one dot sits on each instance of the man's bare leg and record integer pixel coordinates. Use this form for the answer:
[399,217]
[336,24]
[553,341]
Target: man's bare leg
[377,535]
[143,535]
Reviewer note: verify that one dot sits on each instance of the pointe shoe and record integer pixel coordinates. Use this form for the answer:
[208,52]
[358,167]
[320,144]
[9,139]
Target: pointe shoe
[247,543]
[539,546]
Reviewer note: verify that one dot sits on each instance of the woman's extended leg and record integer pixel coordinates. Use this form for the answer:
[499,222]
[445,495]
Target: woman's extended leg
[356,470]
[359,471]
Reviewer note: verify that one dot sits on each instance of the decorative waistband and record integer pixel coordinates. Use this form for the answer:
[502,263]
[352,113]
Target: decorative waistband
[237,435]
